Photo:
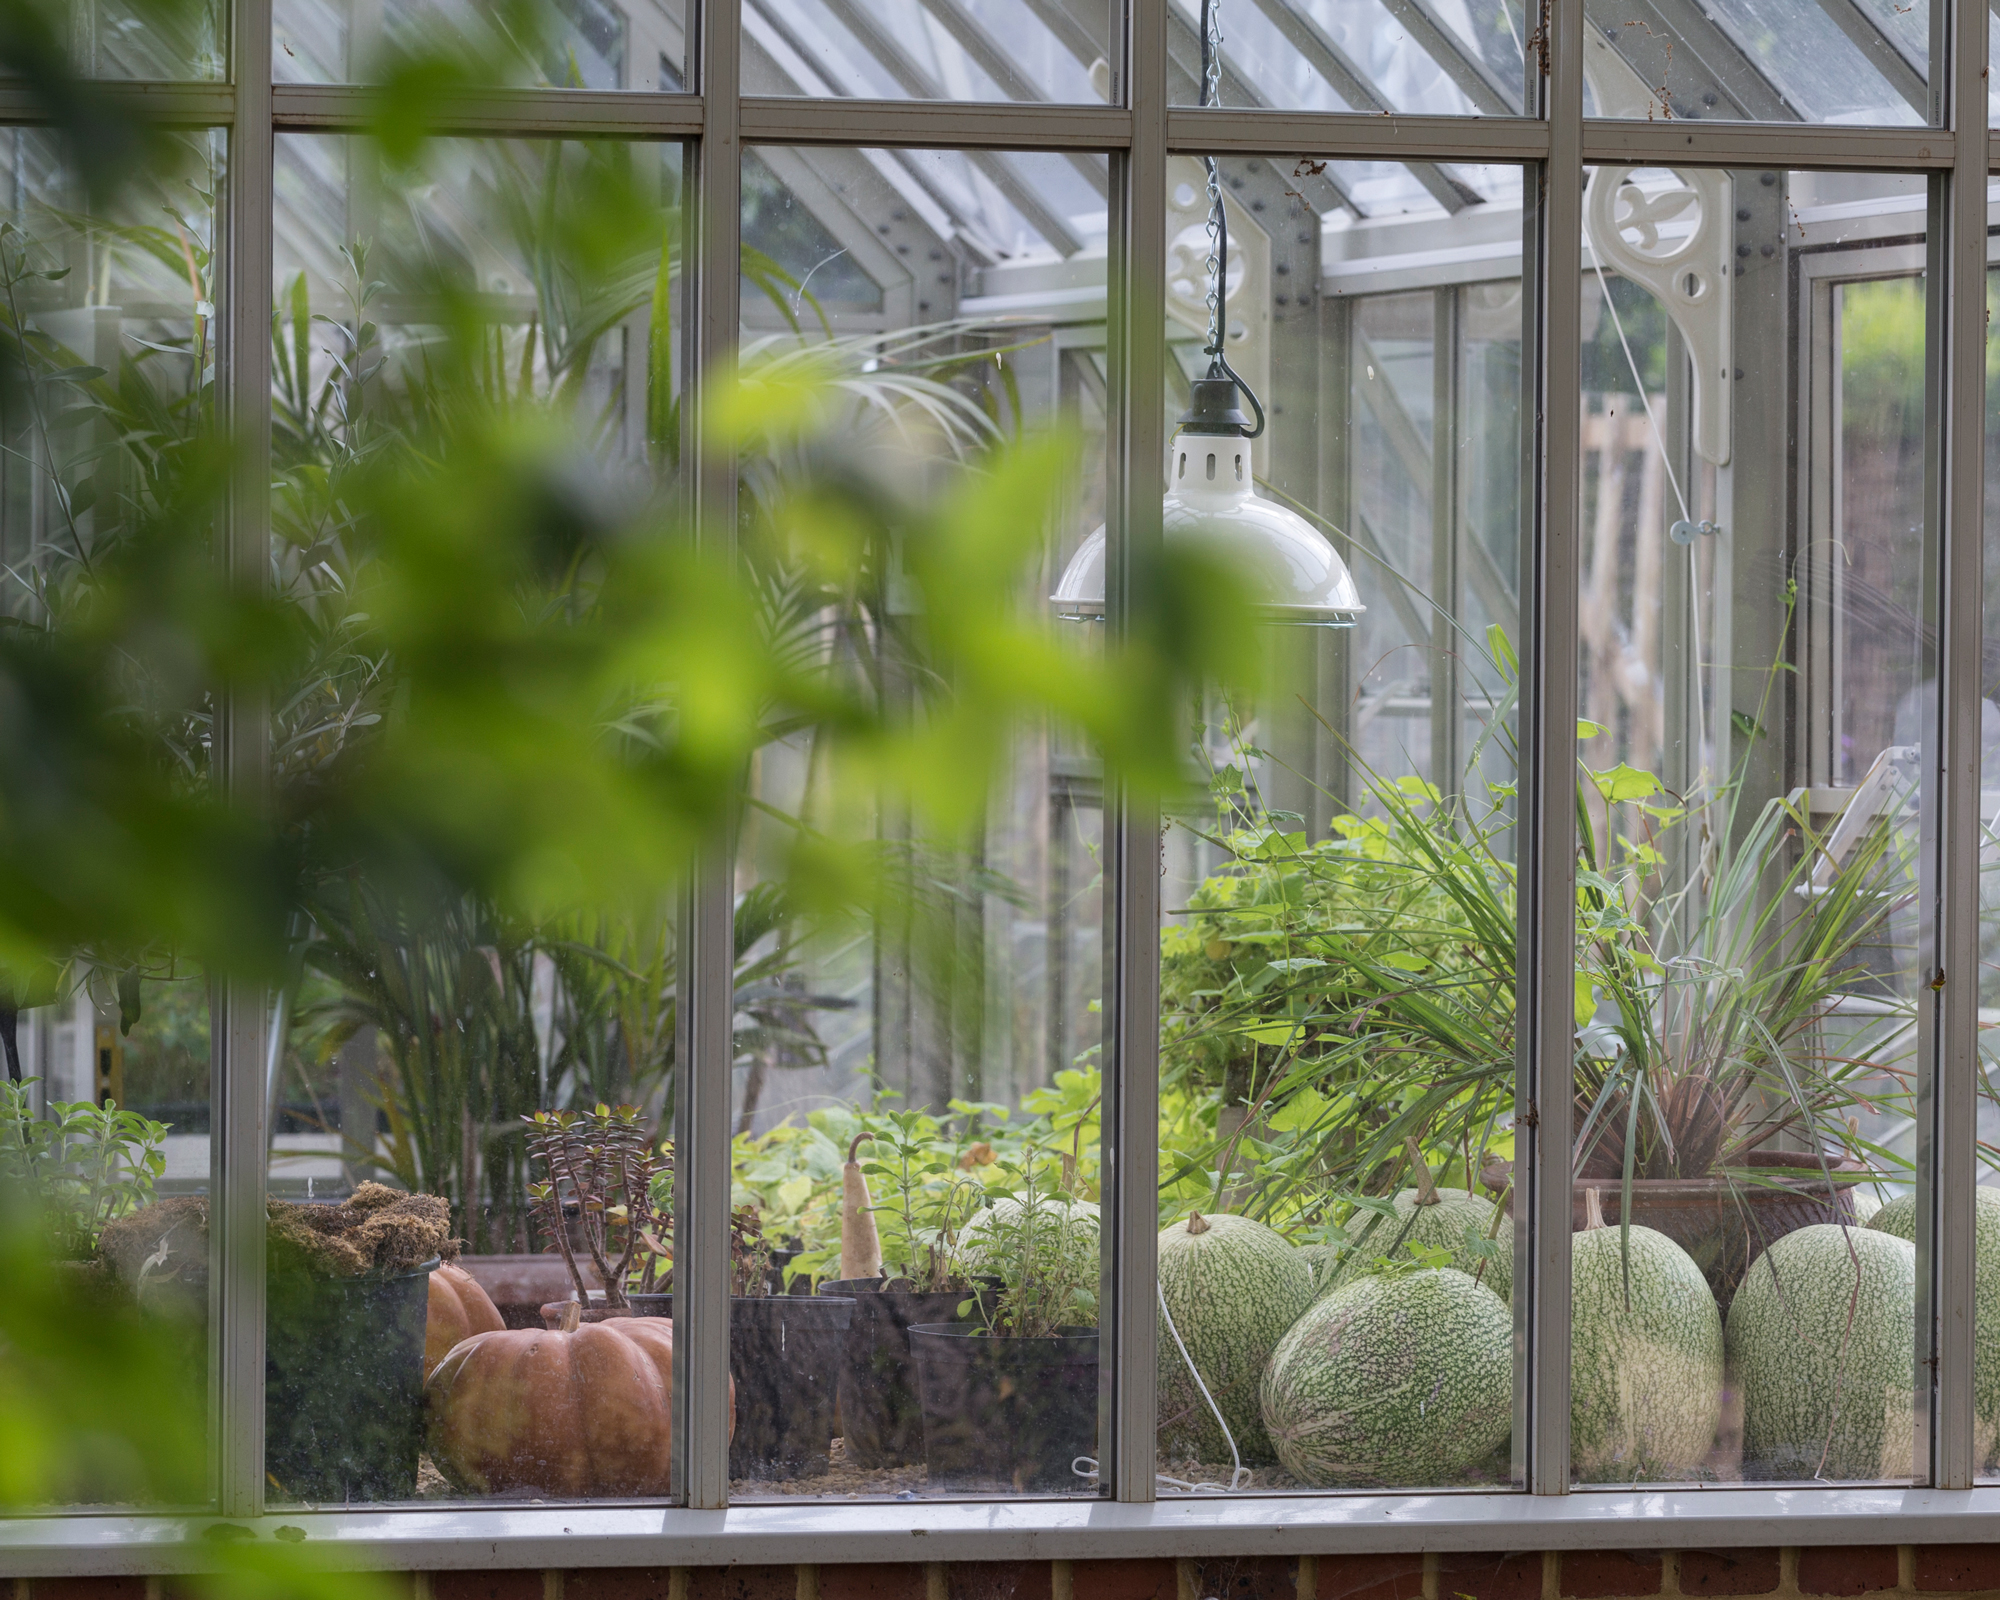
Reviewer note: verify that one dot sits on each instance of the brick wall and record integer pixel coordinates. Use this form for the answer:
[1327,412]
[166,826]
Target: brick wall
[1891,1572]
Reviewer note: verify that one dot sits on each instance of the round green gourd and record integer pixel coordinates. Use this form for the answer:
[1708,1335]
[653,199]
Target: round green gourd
[1820,1340]
[1645,1363]
[1322,1261]
[1898,1217]
[1437,1225]
[976,1241]
[1401,1379]
[1234,1288]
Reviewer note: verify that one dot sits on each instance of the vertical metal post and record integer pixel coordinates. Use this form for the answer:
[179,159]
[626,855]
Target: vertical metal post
[1545,1024]
[1137,337]
[1949,998]
[1447,714]
[706,1003]
[237,1017]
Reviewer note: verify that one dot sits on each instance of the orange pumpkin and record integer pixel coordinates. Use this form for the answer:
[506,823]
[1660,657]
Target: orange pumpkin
[566,1413]
[459,1308]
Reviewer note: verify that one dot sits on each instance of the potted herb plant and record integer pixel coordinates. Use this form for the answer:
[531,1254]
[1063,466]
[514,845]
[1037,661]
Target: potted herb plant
[1010,1394]
[899,1264]
[82,1166]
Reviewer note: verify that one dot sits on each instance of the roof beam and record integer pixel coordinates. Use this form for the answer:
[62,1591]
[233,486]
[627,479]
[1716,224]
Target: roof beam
[1475,80]
[1676,46]
[1905,76]
[856,17]
[993,59]
[1333,64]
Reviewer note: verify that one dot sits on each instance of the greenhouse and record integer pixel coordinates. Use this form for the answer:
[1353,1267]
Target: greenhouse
[1071,770]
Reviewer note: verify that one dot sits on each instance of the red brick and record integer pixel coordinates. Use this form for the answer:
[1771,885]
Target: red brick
[1000,1580]
[1246,1578]
[1602,1574]
[1370,1577]
[1958,1568]
[1847,1569]
[900,1580]
[1728,1571]
[520,1583]
[1119,1580]
[1490,1577]
[730,1583]
[87,1589]
[617,1583]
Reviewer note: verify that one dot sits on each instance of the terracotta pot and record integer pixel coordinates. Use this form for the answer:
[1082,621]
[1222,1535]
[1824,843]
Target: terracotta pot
[1724,1223]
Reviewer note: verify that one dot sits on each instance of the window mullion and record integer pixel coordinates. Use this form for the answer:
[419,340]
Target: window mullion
[1545,1024]
[706,1003]
[237,1150]
[1132,983]
[1949,1003]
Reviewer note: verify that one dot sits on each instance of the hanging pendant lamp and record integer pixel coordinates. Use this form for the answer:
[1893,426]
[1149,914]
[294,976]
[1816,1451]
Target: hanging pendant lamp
[1293,572]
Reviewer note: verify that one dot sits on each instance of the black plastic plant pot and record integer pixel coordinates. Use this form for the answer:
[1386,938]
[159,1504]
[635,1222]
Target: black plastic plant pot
[1006,1414]
[785,1357]
[881,1412]
[344,1385]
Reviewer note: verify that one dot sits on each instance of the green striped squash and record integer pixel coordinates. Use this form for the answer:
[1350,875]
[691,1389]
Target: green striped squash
[1821,1337]
[1645,1361]
[1397,1379]
[1437,1225]
[1234,1288]
[1898,1217]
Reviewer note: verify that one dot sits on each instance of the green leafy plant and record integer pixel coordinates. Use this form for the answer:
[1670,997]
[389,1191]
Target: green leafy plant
[78,1167]
[600,1167]
[1038,1245]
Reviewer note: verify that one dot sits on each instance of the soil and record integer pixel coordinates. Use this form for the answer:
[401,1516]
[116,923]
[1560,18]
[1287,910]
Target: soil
[375,1230]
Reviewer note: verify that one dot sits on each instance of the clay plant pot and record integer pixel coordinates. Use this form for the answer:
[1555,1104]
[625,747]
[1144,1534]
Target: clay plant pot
[1006,1415]
[344,1385]
[881,1412]
[1725,1223]
[785,1359]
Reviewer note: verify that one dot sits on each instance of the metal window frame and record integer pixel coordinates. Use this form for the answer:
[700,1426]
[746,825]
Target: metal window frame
[1138,135]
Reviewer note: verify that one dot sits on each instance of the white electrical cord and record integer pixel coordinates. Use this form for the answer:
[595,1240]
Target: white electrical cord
[1086,1466]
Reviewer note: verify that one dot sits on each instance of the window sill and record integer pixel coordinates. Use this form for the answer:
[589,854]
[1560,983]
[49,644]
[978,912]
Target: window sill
[836,1531]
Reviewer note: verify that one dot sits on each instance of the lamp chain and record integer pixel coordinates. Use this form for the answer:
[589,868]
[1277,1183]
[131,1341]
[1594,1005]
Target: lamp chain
[1218,224]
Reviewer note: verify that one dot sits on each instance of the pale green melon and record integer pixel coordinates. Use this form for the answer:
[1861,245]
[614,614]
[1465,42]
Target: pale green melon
[1439,1226]
[1322,1262]
[1398,1379]
[1867,1204]
[1234,1288]
[1821,1337]
[1645,1362]
[1899,1217]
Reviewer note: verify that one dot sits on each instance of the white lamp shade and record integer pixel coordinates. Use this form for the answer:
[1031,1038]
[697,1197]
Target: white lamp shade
[1293,573]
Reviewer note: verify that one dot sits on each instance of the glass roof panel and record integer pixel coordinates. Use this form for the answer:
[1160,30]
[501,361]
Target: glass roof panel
[582,44]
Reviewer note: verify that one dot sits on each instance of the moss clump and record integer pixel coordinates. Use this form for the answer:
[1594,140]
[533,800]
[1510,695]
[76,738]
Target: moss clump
[376,1230]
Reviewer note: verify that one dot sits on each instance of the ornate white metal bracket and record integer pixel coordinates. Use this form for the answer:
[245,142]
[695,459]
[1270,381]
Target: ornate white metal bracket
[1642,231]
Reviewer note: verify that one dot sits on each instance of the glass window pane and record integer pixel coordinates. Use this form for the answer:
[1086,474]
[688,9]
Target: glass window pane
[1755,678]
[1986,1347]
[108,324]
[1337,1081]
[994,50]
[563,44]
[918,1082]
[516,291]
[1848,61]
[1457,58]
[156,39]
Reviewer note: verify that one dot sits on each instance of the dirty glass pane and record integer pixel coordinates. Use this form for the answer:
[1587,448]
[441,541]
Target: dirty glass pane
[918,1087]
[107,320]
[1337,1087]
[1756,693]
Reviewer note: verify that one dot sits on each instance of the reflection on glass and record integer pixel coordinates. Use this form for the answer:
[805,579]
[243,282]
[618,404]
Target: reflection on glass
[425,1231]
[562,44]
[1986,1347]
[156,39]
[1337,971]
[1755,678]
[918,1087]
